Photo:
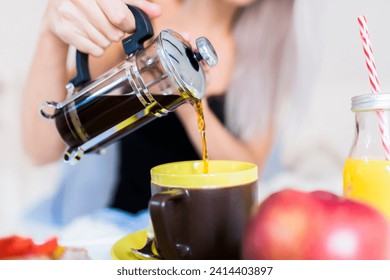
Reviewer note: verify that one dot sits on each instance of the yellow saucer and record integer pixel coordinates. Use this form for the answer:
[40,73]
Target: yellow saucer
[121,249]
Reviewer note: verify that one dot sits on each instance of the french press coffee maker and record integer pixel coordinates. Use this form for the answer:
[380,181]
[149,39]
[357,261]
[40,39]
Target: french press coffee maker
[148,84]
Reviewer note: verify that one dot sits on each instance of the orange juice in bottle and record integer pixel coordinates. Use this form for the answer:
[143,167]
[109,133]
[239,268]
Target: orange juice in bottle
[367,169]
[368,180]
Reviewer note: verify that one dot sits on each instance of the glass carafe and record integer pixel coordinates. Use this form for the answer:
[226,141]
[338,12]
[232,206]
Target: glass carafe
[148,84]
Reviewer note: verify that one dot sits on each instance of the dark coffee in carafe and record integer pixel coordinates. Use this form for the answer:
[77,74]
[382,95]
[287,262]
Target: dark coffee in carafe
[120,112]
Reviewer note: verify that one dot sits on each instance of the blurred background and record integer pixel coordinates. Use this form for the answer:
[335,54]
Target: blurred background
[21,183]
[311,151]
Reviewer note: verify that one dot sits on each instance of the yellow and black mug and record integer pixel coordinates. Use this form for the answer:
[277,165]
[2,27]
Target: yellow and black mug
[202,216]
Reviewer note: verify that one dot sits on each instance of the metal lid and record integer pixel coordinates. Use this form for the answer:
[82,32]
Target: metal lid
[184,64]
[206,52]
[369,102]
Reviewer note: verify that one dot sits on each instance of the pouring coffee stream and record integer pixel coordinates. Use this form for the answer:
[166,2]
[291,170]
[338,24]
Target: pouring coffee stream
[148,84]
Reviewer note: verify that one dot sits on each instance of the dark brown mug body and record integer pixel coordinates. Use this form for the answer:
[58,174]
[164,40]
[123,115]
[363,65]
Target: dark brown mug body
[201,223]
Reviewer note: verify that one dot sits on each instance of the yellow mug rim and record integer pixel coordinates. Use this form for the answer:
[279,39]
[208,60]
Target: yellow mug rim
[189,174]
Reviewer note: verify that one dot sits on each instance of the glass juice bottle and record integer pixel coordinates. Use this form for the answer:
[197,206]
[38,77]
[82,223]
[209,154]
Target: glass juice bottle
[367,169]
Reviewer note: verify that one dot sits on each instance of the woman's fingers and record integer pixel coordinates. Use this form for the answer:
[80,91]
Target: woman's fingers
[119,14]
[83,44]
[74,28]
[92,25]
[99,20]
[88,29]
[151,9]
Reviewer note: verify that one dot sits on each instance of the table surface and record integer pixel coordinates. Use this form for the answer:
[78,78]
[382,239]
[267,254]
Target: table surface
[97,232]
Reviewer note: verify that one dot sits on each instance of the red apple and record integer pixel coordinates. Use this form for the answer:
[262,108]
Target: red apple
[292,224]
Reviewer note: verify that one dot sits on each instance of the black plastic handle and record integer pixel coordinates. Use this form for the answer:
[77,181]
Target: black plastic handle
[131,44]
[144,31]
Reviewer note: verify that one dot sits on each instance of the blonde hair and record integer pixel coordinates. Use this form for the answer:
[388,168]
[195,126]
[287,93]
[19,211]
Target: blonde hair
[263,34]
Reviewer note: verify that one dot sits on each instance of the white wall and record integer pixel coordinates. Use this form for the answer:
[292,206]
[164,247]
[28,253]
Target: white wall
[344,73]
[314,148]
[21,184]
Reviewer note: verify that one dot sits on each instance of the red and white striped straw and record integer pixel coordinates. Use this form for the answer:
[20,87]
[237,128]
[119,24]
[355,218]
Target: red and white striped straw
[374,82]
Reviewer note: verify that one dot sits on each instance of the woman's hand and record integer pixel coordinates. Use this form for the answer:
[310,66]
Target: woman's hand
[92,25]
